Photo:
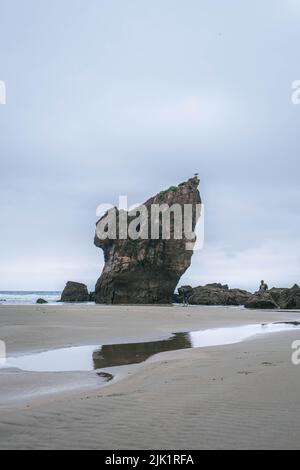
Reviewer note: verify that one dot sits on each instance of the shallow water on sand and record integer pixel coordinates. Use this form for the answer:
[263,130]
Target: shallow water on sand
[95,357]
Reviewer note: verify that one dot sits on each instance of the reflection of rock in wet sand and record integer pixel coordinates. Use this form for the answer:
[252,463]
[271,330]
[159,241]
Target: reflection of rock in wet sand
[133,353]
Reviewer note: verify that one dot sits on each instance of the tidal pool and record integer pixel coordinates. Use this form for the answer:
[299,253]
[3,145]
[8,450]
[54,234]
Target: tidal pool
[95,357]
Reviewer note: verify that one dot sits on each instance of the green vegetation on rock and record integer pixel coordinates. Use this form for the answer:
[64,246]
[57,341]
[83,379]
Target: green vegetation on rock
[172,189]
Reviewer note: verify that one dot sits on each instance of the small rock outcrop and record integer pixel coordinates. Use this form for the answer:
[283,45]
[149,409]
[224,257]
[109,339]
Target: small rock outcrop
[292,298]
[205,295]
[261,301]
[279,295]
[146,271]
[217,294]
[238,297]
[286,298]
[217,285]
[41,301]
[75,292]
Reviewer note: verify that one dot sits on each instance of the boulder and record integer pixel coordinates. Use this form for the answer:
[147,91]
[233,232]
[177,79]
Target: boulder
[208,296]
[279,295]
[238,297]
[292,298]
[218,294]
[286,298]
[261,301]
[146,270]
[41,301]
[75,292]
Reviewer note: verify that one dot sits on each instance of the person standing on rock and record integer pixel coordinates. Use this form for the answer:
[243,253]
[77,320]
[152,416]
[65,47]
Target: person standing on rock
[263,287]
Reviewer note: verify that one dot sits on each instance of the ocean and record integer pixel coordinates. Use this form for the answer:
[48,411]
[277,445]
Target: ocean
[28,297]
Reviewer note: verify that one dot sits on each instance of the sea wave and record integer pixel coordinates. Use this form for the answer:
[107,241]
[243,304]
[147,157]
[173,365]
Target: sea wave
[28,297]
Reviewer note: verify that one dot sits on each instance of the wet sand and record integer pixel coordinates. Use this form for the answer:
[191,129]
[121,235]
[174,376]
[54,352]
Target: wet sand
[244,395]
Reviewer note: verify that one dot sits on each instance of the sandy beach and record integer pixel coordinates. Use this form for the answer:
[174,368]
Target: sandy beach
[239,396]
[150,250]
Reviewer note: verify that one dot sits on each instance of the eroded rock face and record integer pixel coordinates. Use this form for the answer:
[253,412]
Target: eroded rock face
[146,271]
[75,292]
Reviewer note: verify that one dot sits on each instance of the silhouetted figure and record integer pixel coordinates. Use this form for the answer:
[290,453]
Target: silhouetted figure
[263,287]
[185,296]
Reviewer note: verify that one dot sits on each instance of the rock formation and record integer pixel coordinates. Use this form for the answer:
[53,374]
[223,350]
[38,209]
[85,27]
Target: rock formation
[279,294]
[75,292]
[41,301]
[261,301]
[292,298]
[217,294]
[238,297]
[146,270]
[286,298]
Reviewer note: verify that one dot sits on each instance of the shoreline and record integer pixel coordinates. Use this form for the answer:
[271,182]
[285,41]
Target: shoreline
[104,324]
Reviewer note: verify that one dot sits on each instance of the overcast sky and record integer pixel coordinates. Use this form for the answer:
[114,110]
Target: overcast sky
[106,98]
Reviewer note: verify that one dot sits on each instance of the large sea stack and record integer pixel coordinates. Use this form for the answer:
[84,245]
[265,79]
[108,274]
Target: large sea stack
[147,271]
